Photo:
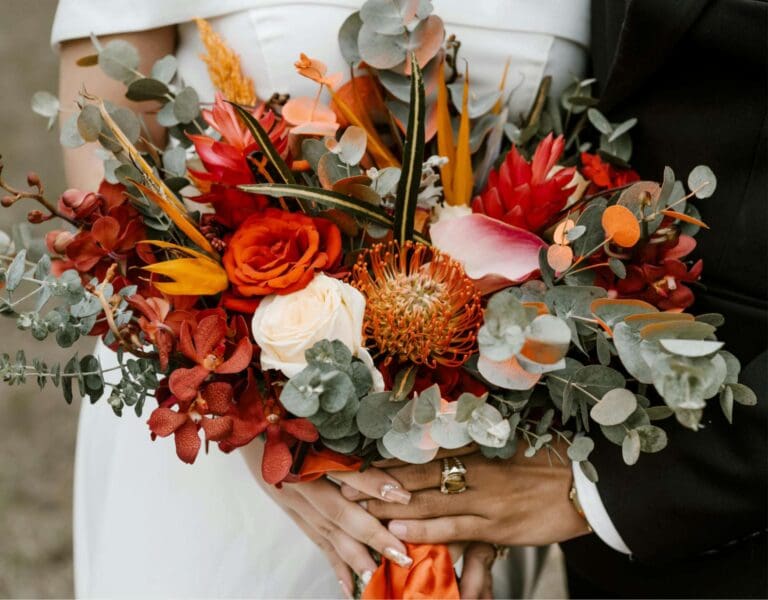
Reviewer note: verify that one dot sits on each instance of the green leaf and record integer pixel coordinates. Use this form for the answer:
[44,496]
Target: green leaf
[69,136]
[348,33]
[333,354]
[581,448]
[327,198]
[652,438]
[175,161]
[119,60]
[621,129]
[726,402]
[300,394]
[374,417]
[603,347]
[265,144]
[691,348]
[404,381]
[426,405]
[337,391]
[488,427]
[658,413]
[15,272]
[467,404]
[617,267]
[413,158]
[589,470]
[186,105]
[742,394]
[614,407]
[630,447]
[147,89]
[449,433]
[591,220]
[165,68]
[616,433]
[702,181]
[597,119]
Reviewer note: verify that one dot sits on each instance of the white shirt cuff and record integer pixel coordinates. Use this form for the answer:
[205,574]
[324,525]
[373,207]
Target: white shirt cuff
[595,512]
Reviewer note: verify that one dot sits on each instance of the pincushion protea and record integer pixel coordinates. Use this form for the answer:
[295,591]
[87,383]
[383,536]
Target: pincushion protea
[420,305]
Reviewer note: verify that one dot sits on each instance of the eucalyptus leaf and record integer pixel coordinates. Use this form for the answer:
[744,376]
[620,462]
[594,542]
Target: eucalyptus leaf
[186,106]
[742,394]
[69,136]
[615,407]
[15,272]
[630,447]
[598,119]
[652,438]
[702,181]
[581,448]
[119,60]
[164,69]
[147,89]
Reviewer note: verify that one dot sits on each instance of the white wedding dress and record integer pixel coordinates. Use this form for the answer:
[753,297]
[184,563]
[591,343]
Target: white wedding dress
[147,525]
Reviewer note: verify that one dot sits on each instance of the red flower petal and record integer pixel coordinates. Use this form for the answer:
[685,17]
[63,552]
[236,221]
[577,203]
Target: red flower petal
[277,460]
[218,396]
[216,429]
[209,333]
[184,383]
[187,442]
[240,358]
[164,421]
[301,429]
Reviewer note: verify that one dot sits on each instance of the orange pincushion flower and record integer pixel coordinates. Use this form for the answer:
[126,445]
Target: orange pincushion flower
[420,305]
[277,252]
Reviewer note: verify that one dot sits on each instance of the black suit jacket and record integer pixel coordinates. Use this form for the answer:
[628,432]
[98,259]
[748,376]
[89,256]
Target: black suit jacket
[694,72]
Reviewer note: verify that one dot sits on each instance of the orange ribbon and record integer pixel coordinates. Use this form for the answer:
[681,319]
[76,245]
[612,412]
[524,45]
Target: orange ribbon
[430,576]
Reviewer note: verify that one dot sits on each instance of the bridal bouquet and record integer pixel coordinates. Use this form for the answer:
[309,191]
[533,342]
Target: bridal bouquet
[395,266]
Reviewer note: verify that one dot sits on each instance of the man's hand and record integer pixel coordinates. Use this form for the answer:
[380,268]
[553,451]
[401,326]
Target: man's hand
[520,502]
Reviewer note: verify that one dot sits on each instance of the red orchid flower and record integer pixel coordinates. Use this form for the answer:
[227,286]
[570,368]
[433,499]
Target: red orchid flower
[660,276]
[255,414]
[207,411]
[527,195]
[226,161]
[214,348]
[112,237]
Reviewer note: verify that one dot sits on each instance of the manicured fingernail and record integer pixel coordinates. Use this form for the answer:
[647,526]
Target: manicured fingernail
[366,577]
[393,493]
[398,529]
[395,555]
[363,504]
[345,590]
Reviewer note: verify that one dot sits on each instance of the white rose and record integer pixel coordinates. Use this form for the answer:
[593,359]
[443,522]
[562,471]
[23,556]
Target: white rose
[286,326]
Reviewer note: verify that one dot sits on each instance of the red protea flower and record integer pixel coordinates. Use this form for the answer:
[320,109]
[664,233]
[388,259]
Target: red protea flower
[213,347]
[226,161]
[256,413]
[524,194]
[207,411]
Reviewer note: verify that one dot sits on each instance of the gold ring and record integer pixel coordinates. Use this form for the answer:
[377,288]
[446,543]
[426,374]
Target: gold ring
[452,479]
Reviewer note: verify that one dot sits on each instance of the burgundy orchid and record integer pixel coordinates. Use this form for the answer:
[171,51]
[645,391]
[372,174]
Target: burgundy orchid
[256,413]
[214,348]
[207,411]
[661,275]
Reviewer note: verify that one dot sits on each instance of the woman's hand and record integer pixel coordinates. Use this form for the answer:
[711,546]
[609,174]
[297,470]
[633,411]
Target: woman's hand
[340,527]
[476,579]
[520,501]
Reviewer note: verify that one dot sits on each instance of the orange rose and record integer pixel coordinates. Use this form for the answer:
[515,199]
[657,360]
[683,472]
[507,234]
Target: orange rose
[277,252]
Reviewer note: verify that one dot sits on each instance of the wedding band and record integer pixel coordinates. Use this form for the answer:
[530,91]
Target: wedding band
[452,479]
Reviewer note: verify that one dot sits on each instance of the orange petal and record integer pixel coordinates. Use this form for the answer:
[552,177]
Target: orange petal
[463,179]
[621,226]
[445,145]
[683,217]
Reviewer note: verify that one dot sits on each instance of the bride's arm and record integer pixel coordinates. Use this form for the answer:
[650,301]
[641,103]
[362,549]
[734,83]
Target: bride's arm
[83,169]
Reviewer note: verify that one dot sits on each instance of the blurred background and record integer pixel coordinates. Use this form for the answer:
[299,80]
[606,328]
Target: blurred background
[37,438]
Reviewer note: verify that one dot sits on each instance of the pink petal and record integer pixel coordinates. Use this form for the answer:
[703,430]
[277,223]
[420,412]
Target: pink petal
[488,248]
